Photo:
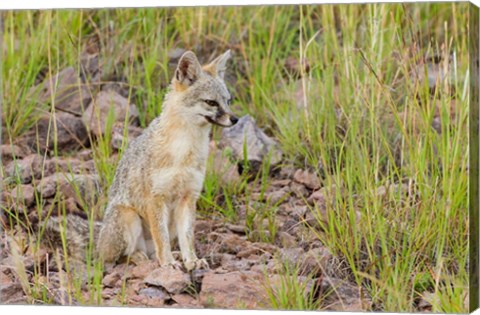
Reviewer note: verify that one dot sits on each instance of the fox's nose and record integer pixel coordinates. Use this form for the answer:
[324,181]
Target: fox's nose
[234,120]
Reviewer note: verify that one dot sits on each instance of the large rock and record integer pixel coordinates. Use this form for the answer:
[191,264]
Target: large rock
[246,135]
[26,169]
[82,188]
[71,133]
[69,92]
[107,103]
[10,152]
[171,279]
[232,290]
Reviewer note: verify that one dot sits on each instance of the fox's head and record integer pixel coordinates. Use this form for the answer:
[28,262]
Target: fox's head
[202,91]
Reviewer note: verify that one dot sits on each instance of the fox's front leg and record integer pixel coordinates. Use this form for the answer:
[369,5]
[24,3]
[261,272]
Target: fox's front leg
[184,217]
[158,218]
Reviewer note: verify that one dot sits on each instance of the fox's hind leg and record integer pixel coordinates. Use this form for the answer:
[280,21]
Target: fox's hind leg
[121,235]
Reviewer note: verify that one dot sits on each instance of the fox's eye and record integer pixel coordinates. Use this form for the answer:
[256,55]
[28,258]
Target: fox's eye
[212,103]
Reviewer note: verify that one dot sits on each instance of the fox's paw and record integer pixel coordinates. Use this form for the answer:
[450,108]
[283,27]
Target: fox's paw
[196,264]
[173,264]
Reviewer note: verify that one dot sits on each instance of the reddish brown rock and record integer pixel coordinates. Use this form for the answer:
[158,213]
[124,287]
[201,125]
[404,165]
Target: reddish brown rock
[232,290]
[26,169]
[71,133]
[97,114]
[69,92]
[310,180]
[11,151]
[24,194]
[171,279]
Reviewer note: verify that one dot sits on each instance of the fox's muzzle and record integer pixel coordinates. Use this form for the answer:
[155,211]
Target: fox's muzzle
[223,120]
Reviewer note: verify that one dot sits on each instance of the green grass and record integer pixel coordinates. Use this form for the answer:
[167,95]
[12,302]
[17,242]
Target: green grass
[364,118]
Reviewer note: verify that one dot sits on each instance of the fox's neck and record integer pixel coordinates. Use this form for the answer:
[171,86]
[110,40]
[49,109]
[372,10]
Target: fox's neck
[173,131]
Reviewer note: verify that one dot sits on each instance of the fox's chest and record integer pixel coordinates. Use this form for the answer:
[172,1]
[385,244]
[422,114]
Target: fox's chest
[177,180]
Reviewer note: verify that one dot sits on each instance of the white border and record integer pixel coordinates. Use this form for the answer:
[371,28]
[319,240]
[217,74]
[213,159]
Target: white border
[47,4]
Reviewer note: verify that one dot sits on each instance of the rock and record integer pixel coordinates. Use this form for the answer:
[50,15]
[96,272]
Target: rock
[142,270]
[185,300]
[246,134]
[72,165]
[154,293]
[26,169]
[111,279]
[223,168]
[97,113]
[24,194]
[118,134]
[232,244]
[316,261]
[232,290]
[285,240]
[85,189]
[298,190]
[12,293]
[82,188]
[291,256]
[71,134]
[345,296]
[317,197]
[239,229]
[246,252]
[70,94]
[11,151]
[171,279]
[306,178]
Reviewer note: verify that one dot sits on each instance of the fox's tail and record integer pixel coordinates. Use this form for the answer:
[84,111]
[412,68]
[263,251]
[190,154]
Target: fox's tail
[73,233]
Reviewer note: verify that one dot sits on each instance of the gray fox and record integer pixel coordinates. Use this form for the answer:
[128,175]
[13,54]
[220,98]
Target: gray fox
[152,199]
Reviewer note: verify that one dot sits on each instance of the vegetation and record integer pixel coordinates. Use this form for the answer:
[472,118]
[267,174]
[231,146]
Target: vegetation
[361,116]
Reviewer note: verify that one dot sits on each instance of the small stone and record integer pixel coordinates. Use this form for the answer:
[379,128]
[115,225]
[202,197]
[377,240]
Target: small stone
[111,279]
[286,240]
[299,190]
[154,293]
[240,229]
[291,256]
[24,194]
[306,178]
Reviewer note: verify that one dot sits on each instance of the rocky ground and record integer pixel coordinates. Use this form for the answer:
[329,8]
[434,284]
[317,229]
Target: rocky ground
[247,260]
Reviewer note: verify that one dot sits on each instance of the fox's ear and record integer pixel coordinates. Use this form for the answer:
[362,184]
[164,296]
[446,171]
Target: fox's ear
[219,65]
[188,69]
